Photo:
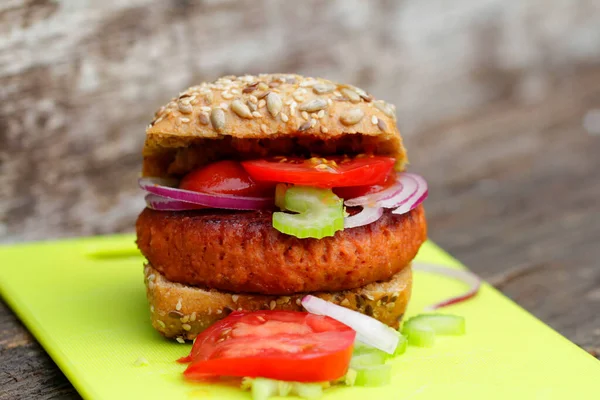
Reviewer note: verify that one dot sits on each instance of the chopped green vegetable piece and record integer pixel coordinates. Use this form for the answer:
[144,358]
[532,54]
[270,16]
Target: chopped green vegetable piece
[376,375]
[320,213]
[263,389]
[310,391]
[280,190]
[367,359]
[350,377]
[402,344]
[284,388]
[421,330]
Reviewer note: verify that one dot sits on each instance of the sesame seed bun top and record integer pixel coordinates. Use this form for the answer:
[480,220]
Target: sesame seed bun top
[264,115]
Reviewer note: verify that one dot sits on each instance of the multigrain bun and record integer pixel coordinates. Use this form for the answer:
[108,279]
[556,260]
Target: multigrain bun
[182,311]
[241,252]
[265,115]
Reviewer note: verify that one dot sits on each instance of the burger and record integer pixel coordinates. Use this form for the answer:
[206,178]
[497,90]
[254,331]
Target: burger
[263,189]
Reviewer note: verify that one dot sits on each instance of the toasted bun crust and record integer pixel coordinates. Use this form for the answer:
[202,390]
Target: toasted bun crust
[181,311]
[252,111]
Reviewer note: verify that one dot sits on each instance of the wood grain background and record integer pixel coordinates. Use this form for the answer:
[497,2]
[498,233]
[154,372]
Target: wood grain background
[499,101]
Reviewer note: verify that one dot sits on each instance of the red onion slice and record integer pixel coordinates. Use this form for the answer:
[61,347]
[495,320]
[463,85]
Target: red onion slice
[416,198]
[467,277]
[156,186]
[366,216]
[160,203]
[406,193]
[368,330]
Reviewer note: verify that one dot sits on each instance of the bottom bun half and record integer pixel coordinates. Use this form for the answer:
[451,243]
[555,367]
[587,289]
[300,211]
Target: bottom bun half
[181,311]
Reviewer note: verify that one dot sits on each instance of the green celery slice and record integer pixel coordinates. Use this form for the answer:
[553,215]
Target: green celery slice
[368,359]
[320,213]
[376,375]
[421,329]
[402,344]
[263,389]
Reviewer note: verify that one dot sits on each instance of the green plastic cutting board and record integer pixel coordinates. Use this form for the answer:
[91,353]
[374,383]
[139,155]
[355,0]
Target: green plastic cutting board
[91,316]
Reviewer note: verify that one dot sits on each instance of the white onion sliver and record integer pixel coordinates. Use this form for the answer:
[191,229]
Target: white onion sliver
[368,330]
[366,216]
[465,276]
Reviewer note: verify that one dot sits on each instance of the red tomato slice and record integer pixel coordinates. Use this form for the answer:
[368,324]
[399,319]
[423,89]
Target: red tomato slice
[284,345]
[334,172]
[350,192]
[225,177]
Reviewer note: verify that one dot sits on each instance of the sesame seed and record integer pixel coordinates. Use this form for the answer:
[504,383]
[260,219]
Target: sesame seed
[330,102]
[150,285]
[298,301]
[162,324]
[185,318]
[235,298]
[186,327]
[205,109]
[178,306]
[227,95]
[313,122]
[193,316]
[374,120]
[272,304]
[180,340]
[224,106]
[315,115]
[324,129]
[304,115]
[235,91]
[263,86]
[152,309]
[253,98]
[262,103]
[284,117]
[263,128]
[256,114]
[299,98]
[184,120]
[219,311]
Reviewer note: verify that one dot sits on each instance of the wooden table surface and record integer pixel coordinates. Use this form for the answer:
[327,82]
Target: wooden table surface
[508,140]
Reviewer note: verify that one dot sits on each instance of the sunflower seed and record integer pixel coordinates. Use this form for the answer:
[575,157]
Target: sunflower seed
[274,104]
[365,96]
[352,117]
[250,88]
[381,125]
[241,109]
[313,105]
[217,119]
[263,94]
[203,118]
[304,126]
[184,107]
[350,94]
[385,108]
[323,88]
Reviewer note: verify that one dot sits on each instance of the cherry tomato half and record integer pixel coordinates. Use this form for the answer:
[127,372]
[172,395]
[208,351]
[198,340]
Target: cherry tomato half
[284,345]
[225,177]
[332,172]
